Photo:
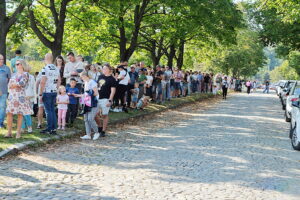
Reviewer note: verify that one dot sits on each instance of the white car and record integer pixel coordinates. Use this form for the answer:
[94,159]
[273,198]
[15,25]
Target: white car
[280,86]
[295,125]
[293,95]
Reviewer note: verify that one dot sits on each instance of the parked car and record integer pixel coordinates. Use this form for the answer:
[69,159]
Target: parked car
[280,86]
[285,92]
[295,125]
[293,95]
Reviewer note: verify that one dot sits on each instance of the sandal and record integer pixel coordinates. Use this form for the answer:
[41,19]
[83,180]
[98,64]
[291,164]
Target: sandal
[8,136]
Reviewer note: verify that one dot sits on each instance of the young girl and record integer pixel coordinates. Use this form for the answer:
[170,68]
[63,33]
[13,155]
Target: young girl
[135,94]
[62,101]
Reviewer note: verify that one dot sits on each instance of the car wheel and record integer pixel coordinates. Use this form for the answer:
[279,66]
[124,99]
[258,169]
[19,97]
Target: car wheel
[295,140]
[287,119]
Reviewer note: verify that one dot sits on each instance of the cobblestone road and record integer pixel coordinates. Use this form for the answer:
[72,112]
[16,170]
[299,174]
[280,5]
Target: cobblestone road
[238,149]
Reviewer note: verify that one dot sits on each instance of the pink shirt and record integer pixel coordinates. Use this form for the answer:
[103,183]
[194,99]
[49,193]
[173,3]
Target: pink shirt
[63,98]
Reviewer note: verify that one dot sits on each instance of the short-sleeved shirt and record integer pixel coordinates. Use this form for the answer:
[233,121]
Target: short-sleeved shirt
[105,83]
[72,99]
[4,78]
[133,77]
[62,98]
[52,73]
[90,85]
[142,77]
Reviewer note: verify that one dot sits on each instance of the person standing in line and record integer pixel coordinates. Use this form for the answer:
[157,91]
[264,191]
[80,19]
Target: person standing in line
[248,85]
[50,81]
[72,70]
[30,92]
[60,64]
[5,75]
[168,75]
[225,85]
[91,107]
[206,83]
[17,102]
[14,60]
[107,88]
[62,102]
[133,79]
[72,111]
[266,90]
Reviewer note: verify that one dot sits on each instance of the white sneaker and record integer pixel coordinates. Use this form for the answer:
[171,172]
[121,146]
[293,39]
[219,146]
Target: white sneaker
[58,128]
[29,130]
[96,136]
[86,137]
[120,110]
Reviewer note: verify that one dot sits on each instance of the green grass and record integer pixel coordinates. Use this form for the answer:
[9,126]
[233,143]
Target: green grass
[114,117]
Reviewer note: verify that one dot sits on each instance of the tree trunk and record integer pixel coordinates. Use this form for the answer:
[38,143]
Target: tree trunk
[171,56]
[180,54]
[3,35]
[56,51]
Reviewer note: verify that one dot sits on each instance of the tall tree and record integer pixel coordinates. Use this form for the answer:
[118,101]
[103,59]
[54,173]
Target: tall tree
[7,20]
[50,33]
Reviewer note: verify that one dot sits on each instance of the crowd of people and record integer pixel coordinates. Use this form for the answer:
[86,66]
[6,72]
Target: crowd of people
[63,89]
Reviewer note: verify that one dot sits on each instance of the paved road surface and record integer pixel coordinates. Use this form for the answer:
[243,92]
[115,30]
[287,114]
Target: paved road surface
[238,149]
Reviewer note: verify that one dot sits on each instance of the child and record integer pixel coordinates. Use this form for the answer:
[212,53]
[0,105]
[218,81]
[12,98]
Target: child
[215,90]
[135,94]
[143,102]
[62,101]
[73,102]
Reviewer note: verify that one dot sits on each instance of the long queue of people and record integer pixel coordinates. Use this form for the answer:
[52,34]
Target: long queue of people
[62,89]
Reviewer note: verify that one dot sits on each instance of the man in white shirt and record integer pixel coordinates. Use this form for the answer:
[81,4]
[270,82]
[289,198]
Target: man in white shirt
[50,81]
[72,70]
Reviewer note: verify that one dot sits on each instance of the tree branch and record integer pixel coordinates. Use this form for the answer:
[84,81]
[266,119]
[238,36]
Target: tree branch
[13,18]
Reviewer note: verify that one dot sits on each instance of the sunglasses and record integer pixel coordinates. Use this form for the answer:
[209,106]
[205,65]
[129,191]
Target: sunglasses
[17,64]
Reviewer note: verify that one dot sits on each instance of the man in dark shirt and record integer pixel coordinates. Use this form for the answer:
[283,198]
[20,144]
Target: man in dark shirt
[206,82]
[267,87]
[107,89]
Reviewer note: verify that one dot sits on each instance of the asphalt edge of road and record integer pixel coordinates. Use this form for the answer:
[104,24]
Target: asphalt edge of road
[19,147]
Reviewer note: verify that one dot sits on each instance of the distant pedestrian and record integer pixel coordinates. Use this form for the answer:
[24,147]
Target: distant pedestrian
[225,85]
[248,85]
[267,88]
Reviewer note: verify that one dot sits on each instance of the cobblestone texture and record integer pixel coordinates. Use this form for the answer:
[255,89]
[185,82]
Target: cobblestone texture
[235,149]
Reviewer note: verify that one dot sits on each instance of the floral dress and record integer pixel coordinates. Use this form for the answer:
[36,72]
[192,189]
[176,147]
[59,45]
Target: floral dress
[17,101]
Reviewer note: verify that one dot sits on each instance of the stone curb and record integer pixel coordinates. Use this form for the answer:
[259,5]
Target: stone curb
[14,149]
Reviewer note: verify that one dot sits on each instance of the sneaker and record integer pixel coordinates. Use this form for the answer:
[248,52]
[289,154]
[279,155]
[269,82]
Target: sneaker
[125,110]
[39,126]
[29,130]
[96,136]
[86,137]
[58,128]
[53,132]
[63,128]
[102,134]
[115,110]
[120,110]
[100,129]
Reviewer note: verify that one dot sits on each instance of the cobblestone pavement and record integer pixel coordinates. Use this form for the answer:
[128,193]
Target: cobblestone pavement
[235,149]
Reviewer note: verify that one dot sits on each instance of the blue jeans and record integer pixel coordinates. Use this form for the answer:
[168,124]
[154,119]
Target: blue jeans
[168,91]
[49,100]
[3,98]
